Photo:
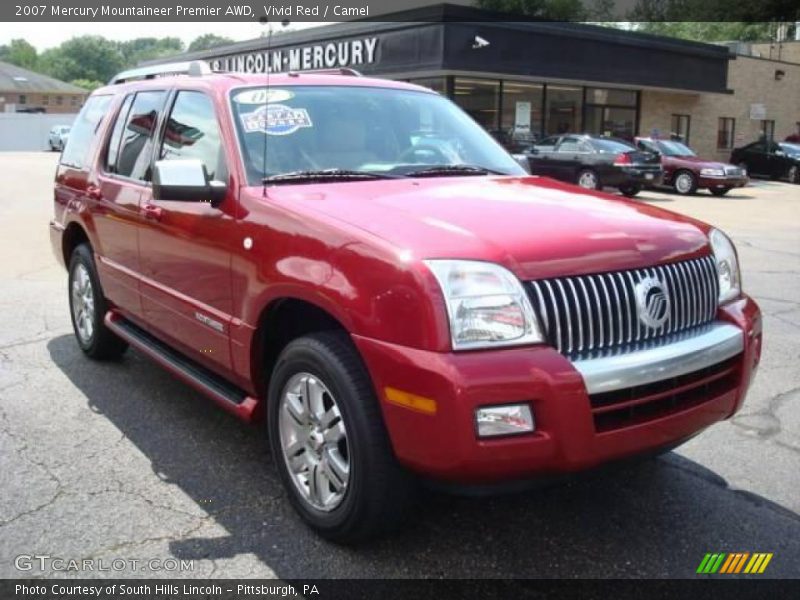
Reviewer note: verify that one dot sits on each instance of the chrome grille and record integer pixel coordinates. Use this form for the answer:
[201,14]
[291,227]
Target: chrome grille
[588,313]
[734,171]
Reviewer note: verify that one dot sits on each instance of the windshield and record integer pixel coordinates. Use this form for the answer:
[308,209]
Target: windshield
[369,130]
[670,148]
[790,149]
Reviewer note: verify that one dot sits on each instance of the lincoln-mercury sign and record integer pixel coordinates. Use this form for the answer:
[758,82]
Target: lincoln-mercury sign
[318,56]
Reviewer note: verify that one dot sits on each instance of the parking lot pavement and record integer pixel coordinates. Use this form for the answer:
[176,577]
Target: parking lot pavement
[122,461]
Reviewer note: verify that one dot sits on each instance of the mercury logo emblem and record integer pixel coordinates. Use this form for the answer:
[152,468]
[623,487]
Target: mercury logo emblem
[652,302]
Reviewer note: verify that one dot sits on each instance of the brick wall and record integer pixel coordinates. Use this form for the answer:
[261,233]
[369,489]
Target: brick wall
[58,103]
[753,82]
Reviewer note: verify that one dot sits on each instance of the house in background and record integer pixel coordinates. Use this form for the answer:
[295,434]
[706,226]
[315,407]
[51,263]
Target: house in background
[22,90]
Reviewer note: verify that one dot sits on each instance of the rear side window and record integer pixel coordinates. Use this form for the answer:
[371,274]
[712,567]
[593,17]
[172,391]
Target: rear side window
[83,130]
[136,139]
[192,132]
[116,135]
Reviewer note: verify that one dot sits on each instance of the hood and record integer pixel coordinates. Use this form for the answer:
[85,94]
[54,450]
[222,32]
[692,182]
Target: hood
[535,226]
[698,162]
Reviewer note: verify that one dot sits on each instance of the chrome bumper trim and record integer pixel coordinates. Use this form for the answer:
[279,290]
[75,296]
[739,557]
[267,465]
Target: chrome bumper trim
[713,345]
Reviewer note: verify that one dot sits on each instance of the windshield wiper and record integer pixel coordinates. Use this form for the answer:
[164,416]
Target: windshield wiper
[436,170]
[326,175]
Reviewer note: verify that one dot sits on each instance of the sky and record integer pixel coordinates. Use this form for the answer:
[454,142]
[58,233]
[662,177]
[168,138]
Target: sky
[47,35]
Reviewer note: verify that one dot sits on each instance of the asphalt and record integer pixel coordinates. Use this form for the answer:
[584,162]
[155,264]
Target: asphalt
[120,460]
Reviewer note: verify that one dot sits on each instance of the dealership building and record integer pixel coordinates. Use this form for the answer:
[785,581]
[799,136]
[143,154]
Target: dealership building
[518,78]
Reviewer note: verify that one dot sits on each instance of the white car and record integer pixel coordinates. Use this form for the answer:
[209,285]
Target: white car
[59,135]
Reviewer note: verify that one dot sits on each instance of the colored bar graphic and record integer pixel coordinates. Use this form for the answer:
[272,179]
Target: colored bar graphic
[734,562]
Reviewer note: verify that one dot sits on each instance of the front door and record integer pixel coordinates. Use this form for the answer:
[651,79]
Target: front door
[184,252]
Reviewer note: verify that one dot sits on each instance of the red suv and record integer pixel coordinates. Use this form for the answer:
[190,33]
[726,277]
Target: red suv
[360,265]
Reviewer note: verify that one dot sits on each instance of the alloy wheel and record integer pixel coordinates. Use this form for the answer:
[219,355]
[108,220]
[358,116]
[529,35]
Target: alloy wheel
[588,180]
[83,311]
[314,441]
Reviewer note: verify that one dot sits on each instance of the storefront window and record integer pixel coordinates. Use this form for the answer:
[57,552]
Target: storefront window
[611,121]
[768,129]
[611,96]
[437,84]
[522,112]
[680,127]
[480,98]
[725,133]
[563,112]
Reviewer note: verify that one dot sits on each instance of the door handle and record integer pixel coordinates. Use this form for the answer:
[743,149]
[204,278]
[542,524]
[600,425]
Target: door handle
[151,211]
[94,192]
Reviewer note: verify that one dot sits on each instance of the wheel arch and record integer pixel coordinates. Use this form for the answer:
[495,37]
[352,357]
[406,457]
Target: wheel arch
[73,236]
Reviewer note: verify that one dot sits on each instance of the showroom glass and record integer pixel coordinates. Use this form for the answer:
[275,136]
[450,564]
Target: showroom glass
[768,128]
[377,130]
[522,111]
[83,129]
[192,132]
[725,133]
[563,111]
[480,99]
[136,143]
[610,112]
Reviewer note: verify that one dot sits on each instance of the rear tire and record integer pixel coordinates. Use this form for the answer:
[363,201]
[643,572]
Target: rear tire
[630,191]
[588,180]
[88,307]
[719,191]
[322,374]
[685,183]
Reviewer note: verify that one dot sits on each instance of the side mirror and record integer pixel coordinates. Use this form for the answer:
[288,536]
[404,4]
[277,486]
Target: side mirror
[522,160]
[186,180]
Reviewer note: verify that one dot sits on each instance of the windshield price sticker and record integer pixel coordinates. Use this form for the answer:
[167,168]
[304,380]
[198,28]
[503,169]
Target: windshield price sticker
[262,96]
[276,119]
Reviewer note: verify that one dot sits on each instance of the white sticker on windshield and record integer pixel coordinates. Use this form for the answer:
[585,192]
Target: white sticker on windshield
[276,119]
[262,96]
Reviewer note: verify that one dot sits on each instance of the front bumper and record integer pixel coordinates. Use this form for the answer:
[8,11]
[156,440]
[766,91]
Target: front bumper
[569,436]
[721,182]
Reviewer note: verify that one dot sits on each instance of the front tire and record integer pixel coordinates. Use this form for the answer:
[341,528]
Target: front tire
[329,443]
[88,307]
[685,183]
[719,191]
[629,191]
[794,174]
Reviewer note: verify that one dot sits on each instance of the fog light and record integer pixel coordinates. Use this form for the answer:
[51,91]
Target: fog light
[509,419]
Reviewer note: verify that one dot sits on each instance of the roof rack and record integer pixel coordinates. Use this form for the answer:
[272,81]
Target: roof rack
[195,68]
[340,71]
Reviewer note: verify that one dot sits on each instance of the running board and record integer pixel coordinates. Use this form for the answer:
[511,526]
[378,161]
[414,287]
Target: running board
[233,399]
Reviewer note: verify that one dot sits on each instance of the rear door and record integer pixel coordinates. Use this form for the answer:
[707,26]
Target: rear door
[570,156]
[541,159]
[186,246]
[122,177]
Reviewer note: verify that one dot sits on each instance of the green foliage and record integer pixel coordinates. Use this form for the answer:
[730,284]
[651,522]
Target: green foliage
[140,49]
[91,57]
[87,84]
[207,41]
[709,31]
[20,53]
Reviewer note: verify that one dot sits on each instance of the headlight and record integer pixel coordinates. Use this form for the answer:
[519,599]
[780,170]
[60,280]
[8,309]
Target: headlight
[486,304]
[712,172]
[730,281]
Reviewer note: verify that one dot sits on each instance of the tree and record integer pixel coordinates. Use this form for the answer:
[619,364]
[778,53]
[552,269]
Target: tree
[89,57]
[87,84]
[20,53]
[709,31]
[140,49]
[208,41]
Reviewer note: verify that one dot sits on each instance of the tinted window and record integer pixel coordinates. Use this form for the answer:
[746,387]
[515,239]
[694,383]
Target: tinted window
[549,143]
[83,130]
[136,146]
[192,132]
[570,144]
[610,146]
[116,135]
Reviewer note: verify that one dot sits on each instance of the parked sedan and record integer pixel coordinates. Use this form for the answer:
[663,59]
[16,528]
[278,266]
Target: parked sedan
[776,160]
[594,162]
[58,137]
[686,172]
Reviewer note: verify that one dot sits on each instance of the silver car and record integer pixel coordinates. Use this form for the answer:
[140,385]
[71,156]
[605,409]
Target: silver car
[59,134]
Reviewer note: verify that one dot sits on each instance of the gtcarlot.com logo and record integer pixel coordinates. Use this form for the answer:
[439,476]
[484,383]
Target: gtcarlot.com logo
[45,562]
[731,563]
